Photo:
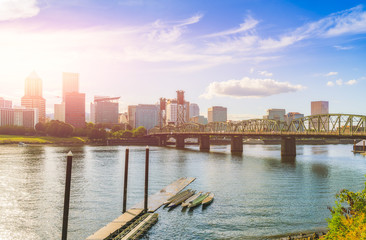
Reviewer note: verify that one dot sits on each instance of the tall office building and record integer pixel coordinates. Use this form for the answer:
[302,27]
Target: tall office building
[147,115]
[172,111]
[33,96]
[5,103]
[217,114]
[319,107]
[70,83]
[25,117]
[131,115]
[275,114]
[194,110]
[75,109]
[60,112]
[104,110]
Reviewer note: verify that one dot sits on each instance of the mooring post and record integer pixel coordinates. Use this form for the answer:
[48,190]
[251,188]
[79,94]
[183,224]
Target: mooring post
[125,182]
[67,196]
[363,147]
[146,179]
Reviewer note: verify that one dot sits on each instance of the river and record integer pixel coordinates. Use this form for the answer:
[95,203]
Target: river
[257,195]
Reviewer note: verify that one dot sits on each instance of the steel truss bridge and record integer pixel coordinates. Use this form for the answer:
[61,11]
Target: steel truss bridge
[324,125]
[314,126]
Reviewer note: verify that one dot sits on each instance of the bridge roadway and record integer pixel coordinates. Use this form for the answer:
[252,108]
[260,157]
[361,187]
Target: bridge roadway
[339,126]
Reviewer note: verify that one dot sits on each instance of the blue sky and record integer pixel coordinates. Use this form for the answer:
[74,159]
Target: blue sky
[247,55]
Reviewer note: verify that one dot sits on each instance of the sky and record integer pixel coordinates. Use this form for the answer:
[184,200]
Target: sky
[246,55]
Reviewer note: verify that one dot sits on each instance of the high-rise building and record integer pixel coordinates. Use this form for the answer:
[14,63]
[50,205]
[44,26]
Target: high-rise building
[75,109]
[275,114]
[319,107]
[123,118]
[198,119]
[5,103]
[26,117]
[132,115]
[194,110]
[172,111]
[60,112]
[33,96]
[104,110]
[217,114]
[70,83]
[147,115]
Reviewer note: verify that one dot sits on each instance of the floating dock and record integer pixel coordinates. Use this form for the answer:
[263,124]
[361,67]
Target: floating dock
[121,227]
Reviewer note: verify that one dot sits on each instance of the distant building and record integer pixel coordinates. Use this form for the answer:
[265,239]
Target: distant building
[194,110]
[275,114]
[33,96]
[198,119]
[104,110]
[217,114]
[75,109]
[5,103]
[123,118]
[319,107]
[70,83]
[147,115]
[172,111]
[293,116]
[25,117]
[60,112]
[131,115]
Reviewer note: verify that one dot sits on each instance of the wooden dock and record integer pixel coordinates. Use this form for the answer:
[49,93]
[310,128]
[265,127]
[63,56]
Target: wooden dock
[155,201]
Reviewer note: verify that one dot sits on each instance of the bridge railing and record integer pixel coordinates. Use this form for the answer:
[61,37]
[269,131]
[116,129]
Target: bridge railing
[328,124]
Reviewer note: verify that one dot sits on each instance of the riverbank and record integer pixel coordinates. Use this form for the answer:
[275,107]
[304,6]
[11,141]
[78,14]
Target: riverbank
[15,139]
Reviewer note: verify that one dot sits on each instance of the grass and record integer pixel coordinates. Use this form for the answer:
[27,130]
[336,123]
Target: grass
[8,139]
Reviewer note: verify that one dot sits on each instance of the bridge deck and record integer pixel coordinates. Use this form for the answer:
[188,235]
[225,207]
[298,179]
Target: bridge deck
[155,201]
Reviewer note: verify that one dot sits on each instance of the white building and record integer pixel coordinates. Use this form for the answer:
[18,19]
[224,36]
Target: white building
[217,114]
[275,114]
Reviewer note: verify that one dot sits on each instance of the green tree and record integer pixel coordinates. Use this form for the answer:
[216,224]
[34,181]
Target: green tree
[127,134]
[348,219]
[139,132]
[41,128]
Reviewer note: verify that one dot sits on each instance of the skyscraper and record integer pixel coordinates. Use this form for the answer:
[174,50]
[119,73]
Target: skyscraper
[132,115]
[147,115]
[75,109]
[5,103]
[217,114]
[319,107]
[33,95]
[194,110]
[104,110]
[70,83]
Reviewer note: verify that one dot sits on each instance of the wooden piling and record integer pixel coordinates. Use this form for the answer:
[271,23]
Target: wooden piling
[146,179]
[67,196]
[125,181]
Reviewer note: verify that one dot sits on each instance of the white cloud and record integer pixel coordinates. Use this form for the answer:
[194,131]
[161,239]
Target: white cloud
[330,84]
[331,74]
[251,70]
[14,9]
[343,47]
[248,24]
[249,88]
[339,82]
[351,82]
[265,73]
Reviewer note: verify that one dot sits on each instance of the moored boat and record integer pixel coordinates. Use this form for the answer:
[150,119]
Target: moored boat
[189,200]
[208,199]
[171,199]
[181,199]
[198,201]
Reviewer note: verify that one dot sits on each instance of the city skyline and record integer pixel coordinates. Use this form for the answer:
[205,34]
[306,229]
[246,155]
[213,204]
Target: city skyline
[246,56]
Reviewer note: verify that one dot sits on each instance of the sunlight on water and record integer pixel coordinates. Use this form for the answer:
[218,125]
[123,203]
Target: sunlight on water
[257,194]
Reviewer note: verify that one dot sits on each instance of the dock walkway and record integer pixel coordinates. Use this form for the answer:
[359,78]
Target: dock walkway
[155,201]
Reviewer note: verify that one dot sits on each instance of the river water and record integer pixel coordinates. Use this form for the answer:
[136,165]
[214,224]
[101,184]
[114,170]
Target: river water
[257,195]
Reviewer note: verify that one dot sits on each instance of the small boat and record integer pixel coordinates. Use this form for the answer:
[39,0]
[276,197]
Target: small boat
[208,199]
[22,144]
[181,199]
[189,200]
[198,201]
[171,199]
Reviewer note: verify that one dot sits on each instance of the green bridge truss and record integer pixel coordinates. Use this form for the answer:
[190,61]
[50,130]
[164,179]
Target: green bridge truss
[323,124]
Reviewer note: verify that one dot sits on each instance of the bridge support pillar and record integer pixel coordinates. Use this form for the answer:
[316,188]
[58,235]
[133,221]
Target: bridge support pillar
[204,143]
[162,140]
[179,141]
[288,146]
[237,144]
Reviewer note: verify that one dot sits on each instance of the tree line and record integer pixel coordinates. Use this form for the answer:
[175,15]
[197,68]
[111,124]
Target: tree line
[57,128]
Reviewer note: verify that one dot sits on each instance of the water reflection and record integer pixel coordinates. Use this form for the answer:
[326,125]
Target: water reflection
[319,150]
[320,170]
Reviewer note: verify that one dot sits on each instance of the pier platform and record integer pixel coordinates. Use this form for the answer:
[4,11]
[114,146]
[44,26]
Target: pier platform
[155,201]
